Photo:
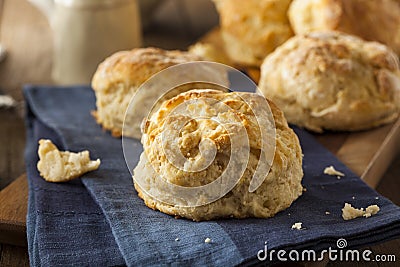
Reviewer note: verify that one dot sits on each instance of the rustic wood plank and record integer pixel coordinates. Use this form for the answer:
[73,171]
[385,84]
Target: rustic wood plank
[390,184]
[13,256]
[12,144]
[332,141]
[13,210]
[360,151]
[383,157]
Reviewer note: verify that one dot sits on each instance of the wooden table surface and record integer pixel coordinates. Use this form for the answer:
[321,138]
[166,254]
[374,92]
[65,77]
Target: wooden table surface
[25,33]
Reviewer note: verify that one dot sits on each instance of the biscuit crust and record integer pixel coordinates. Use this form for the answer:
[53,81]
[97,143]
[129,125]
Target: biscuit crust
[119,76]
[281,186]
[333,81]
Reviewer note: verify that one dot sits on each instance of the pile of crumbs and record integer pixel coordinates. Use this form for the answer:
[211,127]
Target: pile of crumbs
[297,226]
[349,213]
[332,171]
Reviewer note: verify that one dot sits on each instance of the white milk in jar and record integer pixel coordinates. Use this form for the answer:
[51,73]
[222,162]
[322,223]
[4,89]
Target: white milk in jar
[87,31]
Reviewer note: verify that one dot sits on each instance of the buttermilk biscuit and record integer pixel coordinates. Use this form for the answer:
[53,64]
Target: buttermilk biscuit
[373,20]
[282,184]
[119,77]
[252,29]
[333,81]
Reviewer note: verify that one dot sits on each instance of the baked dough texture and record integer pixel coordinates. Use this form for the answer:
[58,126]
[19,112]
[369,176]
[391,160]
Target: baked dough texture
[252,29]
[63,166]
[210,52]
[333,81]
[373,20]
[349,212]
[120,76]
[282,184]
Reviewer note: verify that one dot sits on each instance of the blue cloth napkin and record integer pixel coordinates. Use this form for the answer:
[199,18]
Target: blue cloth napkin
[100,220]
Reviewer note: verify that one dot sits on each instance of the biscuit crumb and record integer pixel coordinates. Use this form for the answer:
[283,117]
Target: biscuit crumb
[62,166]
[353,197]
[349,213]
[376,197]
[371,210]
[297,226]
[177,239]
[304,189]
[327,212]
[332,171]
[207,240]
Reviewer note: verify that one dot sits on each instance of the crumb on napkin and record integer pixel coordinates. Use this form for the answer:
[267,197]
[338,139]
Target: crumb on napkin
[207,240]
[297,226]
[61,166]
[349,213]
[332,171]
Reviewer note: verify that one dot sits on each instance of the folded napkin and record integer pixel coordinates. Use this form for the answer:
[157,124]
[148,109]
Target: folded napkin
[99,219]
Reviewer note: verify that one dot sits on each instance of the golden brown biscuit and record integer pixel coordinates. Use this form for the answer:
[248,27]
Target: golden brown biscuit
[282,184]
[119,77]
[252,29]
[333,81]
[373,20]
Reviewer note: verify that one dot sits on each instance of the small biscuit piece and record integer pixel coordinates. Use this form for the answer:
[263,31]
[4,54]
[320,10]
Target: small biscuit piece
[297,226]
[281,186]
[349,213]
[333,81]
[252,29]
[371,210]
[373,20]
[332,171]
[120,76]
[58,166]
